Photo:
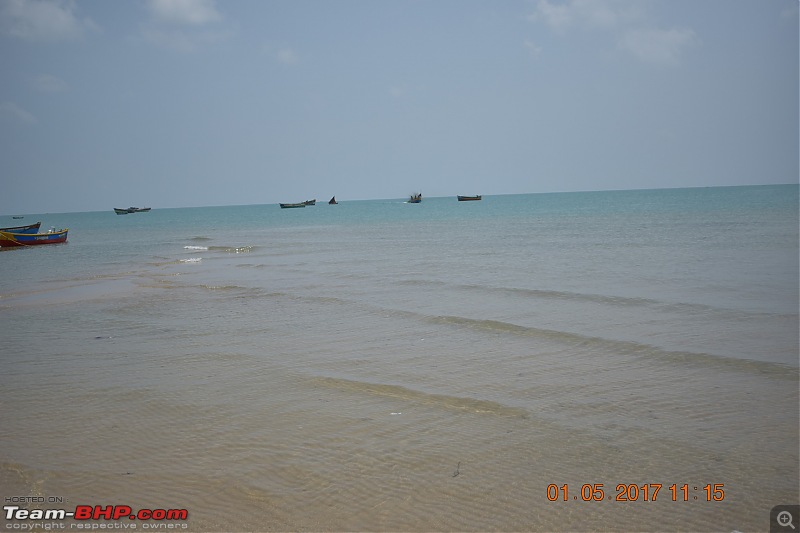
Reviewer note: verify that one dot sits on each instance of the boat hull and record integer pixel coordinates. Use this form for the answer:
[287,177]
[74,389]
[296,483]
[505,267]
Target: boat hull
[291,206]
[10,240]
[126,210]
[32,228]
[468,198]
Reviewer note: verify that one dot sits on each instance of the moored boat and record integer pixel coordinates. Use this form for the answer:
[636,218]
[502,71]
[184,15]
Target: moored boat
[54,236]
[468,198]
[126,210]
[415,198]
[311,202]
[288,206]
[32,228]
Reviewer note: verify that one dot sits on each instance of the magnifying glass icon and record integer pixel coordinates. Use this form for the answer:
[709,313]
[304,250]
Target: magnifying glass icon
[784,519]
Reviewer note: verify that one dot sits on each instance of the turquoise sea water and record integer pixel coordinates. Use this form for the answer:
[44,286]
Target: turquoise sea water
[378,365]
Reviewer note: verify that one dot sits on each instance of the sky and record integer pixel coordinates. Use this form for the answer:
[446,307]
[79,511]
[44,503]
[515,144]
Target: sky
[184,103]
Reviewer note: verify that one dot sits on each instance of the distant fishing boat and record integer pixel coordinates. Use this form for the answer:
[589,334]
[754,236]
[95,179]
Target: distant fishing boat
[8,239]
[468,198]
[32,228]
[126,210]
[415,198]
[290,206]
[311,202]
[332,201]
[17,217]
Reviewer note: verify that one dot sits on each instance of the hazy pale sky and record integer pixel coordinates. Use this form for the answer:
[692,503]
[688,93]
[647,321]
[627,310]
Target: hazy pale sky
[173,103]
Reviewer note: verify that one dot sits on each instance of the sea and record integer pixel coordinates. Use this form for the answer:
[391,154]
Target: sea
[584,361]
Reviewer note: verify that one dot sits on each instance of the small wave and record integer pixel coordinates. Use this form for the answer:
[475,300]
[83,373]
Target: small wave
[200,238]
[629,348]
[472,405]
[581,297]
[195,247]
[192,260]
[224,287]
[232,249]
[239,291]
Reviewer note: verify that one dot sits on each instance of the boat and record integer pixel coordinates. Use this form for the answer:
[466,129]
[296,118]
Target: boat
[311,202]
[415,198]
[289,206]
[332,201]
[126,210]
[54,236]
[468,198]
[17,217]
[32,228]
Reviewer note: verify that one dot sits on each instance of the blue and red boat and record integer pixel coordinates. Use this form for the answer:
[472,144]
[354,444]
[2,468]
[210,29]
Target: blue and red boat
[54,236]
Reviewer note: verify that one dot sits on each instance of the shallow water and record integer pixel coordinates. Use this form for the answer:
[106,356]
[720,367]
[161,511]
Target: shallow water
[384,366]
